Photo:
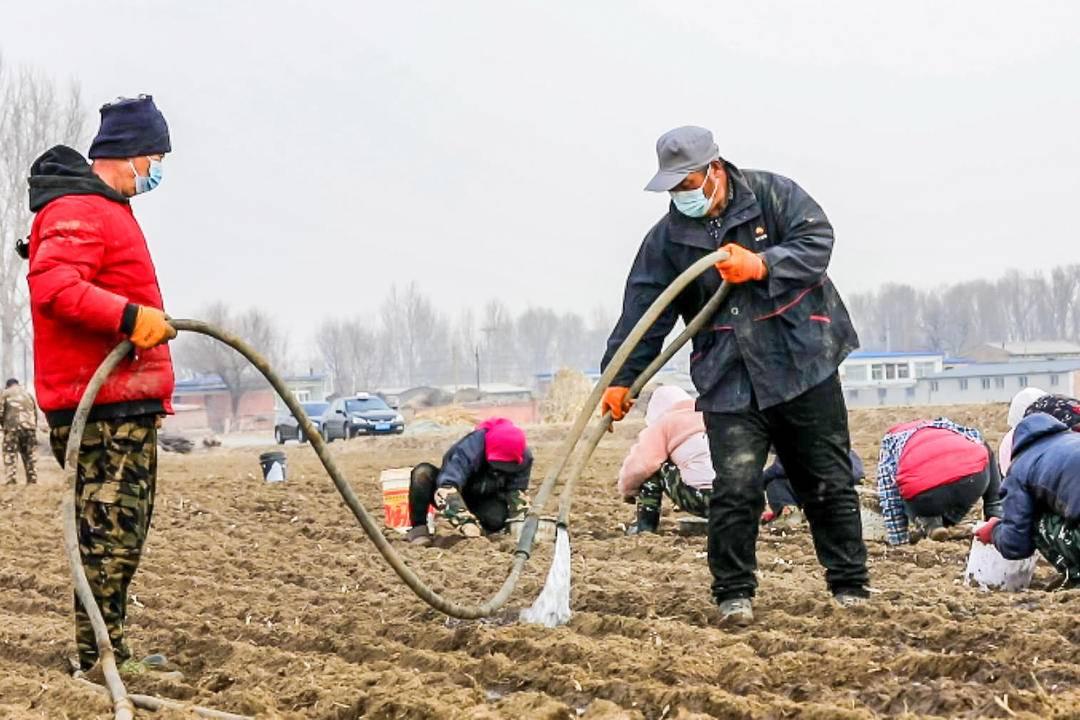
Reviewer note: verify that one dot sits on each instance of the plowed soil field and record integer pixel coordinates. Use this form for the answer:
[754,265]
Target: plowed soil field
[268,600]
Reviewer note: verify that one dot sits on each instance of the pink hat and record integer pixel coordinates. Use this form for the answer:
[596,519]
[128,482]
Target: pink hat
[504,441]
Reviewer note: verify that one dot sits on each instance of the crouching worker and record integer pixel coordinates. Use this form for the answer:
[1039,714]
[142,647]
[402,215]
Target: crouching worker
[671,456]
[930,474]
[480,486]
[1041,508]
[783,504]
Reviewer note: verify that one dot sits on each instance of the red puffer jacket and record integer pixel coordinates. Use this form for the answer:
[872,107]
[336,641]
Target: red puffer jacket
[89,267]
[934,457]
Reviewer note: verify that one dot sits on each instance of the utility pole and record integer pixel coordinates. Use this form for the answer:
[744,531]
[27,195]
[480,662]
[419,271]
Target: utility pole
[487,341]
[476,352]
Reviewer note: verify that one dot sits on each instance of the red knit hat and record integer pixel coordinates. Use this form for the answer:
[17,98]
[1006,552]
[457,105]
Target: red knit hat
[503,441]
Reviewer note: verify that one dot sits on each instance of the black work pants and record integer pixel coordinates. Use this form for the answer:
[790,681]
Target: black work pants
[952,502]
[491,510]
[810,434]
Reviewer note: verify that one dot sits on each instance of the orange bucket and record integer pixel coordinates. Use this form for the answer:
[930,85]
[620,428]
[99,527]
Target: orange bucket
[395,490]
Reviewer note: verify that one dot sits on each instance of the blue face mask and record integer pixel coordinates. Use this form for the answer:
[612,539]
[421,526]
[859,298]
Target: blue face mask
[693,203]
[150,181]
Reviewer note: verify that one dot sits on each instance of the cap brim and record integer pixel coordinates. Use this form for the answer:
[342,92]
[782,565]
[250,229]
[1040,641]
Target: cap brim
[505,465]
[665,180]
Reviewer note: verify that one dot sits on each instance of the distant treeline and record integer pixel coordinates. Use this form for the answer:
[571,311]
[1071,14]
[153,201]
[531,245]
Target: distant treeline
[412,342]
[953,318]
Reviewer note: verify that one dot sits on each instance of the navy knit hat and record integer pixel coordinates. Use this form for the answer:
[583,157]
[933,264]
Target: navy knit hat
[131,127]
[1061,407]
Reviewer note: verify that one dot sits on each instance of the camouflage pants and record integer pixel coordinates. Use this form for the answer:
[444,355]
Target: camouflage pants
[1060,545]
[114,500]
[668,480]
[20,443]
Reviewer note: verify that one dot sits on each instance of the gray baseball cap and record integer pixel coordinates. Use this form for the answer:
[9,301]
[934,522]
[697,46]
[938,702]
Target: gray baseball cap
[682,151]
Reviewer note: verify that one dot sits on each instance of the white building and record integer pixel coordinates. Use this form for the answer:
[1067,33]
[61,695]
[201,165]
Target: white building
[886,378]
[1024,351]
[998,382]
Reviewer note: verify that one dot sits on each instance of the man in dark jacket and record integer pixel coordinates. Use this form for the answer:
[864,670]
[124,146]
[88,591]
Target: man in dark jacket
[92,283]
[1041,506]
[480,486]
[766,365]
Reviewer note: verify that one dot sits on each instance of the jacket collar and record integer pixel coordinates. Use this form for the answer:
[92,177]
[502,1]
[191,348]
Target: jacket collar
[692,231]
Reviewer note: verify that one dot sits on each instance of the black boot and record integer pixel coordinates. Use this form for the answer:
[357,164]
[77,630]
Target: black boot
[648,520]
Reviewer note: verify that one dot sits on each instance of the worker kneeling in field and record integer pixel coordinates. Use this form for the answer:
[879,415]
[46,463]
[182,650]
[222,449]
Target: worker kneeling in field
[930,473]
[1041,508]
[671,456]
[784,509]
[480,486]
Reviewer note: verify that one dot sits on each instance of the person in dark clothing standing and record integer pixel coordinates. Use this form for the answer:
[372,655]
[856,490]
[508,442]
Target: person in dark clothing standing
[766,365]
[481,486]
[92,284]
[18,414]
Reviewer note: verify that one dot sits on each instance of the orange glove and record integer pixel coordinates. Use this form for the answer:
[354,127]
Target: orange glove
[151,328]
[617,401]
[741,265]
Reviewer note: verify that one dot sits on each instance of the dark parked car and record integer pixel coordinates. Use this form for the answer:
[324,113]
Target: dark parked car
[286,427]
[363,414]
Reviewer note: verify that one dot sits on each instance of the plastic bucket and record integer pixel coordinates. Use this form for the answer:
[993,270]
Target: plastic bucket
[274,466]
[988,569]
[395,490]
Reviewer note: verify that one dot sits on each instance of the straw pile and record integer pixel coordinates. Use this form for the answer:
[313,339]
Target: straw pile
[569,389]
[447,415]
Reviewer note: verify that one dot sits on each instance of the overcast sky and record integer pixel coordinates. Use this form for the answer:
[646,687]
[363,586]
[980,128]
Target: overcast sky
[323,151]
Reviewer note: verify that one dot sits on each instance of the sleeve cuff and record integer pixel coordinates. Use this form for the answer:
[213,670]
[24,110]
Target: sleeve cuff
[127,320]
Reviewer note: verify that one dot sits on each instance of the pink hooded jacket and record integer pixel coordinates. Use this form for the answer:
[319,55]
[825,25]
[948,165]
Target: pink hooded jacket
[673,432]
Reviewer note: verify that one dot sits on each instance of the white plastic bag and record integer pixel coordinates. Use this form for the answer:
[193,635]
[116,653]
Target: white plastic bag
[988,569]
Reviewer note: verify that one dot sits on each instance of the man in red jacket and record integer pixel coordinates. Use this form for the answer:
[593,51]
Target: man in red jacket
[92,283]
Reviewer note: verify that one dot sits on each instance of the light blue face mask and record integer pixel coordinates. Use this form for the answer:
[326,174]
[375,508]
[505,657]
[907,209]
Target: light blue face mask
[693,203]
[148,182]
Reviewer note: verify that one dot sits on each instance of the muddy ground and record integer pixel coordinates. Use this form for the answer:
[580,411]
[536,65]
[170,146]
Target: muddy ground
[270,601]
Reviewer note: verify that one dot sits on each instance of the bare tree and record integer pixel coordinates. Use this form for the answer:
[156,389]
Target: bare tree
[464,349]
[934,320]
[536,333]
[202,355]
[571,346]
[1065,298]
[415,334]
[497,327]
[350,351]
[35,114]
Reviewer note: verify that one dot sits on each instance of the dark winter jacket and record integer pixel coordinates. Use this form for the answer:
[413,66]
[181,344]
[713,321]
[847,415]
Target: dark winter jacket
[1044,477]
[90,268]
[776,338]
[465,467]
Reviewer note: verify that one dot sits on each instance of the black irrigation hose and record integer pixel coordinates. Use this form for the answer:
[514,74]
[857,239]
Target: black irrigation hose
[123,706]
